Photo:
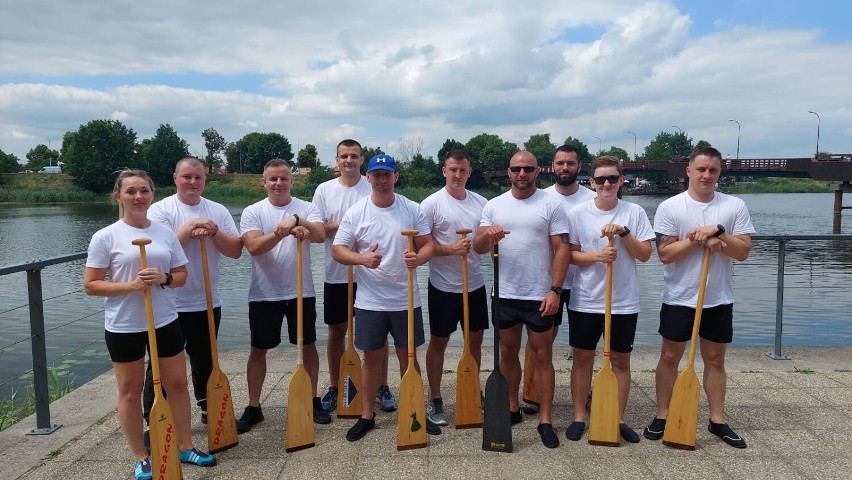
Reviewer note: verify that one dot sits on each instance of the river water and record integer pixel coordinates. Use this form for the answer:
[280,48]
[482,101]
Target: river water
[817,307]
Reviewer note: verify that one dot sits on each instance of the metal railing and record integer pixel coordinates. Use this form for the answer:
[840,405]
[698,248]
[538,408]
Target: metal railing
[38,340]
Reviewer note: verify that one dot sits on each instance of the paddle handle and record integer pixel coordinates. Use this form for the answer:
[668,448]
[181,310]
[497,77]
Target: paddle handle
[350,304]
[410,234]
[149,313]
[696,323]
[465,302]
[299,304]
[211,321]
[495,257]
[608,308]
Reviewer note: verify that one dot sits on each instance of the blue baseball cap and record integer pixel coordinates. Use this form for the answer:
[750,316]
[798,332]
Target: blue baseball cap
[381,162]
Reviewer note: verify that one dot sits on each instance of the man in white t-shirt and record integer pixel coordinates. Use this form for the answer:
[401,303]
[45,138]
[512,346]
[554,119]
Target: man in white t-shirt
[333,198]
[532,229]
[194,218]
[370,237]
[270,229]
[447,210]
[687,224]
[593,225]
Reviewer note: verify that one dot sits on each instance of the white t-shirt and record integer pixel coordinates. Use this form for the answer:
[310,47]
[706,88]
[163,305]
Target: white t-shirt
[333,199]
[273,274]
[679,215]
[586,221]
[173,213]
[526,255]
[445,215]
[111,247]
[581,195]
[382,289]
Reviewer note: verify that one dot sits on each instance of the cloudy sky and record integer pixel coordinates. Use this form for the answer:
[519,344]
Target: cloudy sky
[378,71]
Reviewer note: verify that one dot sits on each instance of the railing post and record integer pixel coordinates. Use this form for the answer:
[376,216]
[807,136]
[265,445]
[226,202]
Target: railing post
[779,302]
[39,351]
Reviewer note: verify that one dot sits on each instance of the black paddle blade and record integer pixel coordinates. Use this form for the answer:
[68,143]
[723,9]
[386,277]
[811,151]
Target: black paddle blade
[497,422]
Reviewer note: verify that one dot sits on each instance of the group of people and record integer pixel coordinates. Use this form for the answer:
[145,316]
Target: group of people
[553,242]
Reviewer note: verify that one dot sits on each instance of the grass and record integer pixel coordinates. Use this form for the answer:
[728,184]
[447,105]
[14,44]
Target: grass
[19,405]
[779,185]
[806,371]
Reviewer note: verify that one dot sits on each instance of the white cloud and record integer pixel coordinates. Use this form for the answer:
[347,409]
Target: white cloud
[323,71]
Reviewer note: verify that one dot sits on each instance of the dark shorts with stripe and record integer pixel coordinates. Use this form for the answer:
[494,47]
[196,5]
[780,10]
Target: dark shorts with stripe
[717,323]
[511,312]
[266,319]
[585,330]
[446,311]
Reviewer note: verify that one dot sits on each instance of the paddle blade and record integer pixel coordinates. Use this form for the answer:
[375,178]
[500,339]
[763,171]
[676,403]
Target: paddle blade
[348,387]
[603,417]
[682,423]
[300,412]
[221,423]
[411,419]
[497,422]
[468,403]
[530,394]
[165,460]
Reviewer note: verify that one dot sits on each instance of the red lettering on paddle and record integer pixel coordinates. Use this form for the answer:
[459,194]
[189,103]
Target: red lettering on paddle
[220,423]
[164,460]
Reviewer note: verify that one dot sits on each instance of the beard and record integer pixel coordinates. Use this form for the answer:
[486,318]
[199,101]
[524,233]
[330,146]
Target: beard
[566,181]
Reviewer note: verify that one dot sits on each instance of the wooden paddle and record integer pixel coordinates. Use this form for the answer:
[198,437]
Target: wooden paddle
[603,416]
[164,447]
[529,392]
[682,423]
[468,403]
[300,400]
[497,421]
[221,424]
[410,432]
[349,400]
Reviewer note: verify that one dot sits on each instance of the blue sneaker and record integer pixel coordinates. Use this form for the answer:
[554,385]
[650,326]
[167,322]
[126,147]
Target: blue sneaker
[143,469]
[386,400]
[329,400]
[197,457]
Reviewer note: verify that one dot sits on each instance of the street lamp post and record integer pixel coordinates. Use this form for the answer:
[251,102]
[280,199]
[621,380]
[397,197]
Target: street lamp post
[600,145]
[679,130]
[49,152]
[738,136]
[634,144]
[819,120]
[677,147]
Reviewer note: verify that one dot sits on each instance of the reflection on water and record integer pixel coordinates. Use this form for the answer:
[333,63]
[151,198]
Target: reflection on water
[816,306]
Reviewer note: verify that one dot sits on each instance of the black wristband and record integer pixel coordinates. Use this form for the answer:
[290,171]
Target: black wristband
[720,231]
[625,232]
[297,220]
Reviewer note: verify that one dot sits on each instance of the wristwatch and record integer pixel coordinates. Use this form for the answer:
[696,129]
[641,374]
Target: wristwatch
[168,282]
[297,220]
[625,232]
[556,290]
[720,231]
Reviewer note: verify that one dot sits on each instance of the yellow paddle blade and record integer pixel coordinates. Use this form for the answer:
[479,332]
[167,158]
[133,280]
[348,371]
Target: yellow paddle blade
[349,395]
[300,412]
[165,460]
[682,423]
[411,419]
[468,401]
[530,393]
[603,417]
[221,423]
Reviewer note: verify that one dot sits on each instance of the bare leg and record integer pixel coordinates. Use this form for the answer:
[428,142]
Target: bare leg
[621,368]
[510,365]
[402,356]
[581,381]
[715,378]
[476,346]
[334,351]
[371,371]
[311,360]
[435,363]
[255,374]
[666,375]
[129,377]
[542,345]
[173,373]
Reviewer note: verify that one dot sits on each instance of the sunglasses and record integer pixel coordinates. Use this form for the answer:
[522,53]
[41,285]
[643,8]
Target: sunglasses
[517,169]
[613,179]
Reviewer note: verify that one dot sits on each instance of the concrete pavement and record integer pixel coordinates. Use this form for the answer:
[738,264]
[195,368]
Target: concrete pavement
[796,416]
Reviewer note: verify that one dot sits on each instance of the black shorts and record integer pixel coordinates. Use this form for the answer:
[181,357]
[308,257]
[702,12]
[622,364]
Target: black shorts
[335,302]
[717,323]
[510,312]
[266,318]
[585,329]
[564,299]
[130,347]
[372,328]
[446,311]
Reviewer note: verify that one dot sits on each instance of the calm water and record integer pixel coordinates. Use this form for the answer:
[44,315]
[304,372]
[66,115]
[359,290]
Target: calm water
[816,305]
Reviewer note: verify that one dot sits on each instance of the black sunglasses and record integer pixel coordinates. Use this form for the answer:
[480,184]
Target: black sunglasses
[517,169]
[613,179]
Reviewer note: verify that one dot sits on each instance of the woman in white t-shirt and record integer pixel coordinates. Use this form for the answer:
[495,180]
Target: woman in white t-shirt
[592,224]
[113,271]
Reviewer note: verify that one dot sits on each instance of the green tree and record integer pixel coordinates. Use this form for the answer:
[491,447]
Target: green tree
[666,146]
[369,152]
[449,145]
[617,152]
[585,156]
[160,154]
[250,153]
[41,156]
[9,163]
[215,145]
[701,144]
[488,152]
[540,146]
[96,151]
[421,172]
[308,157]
